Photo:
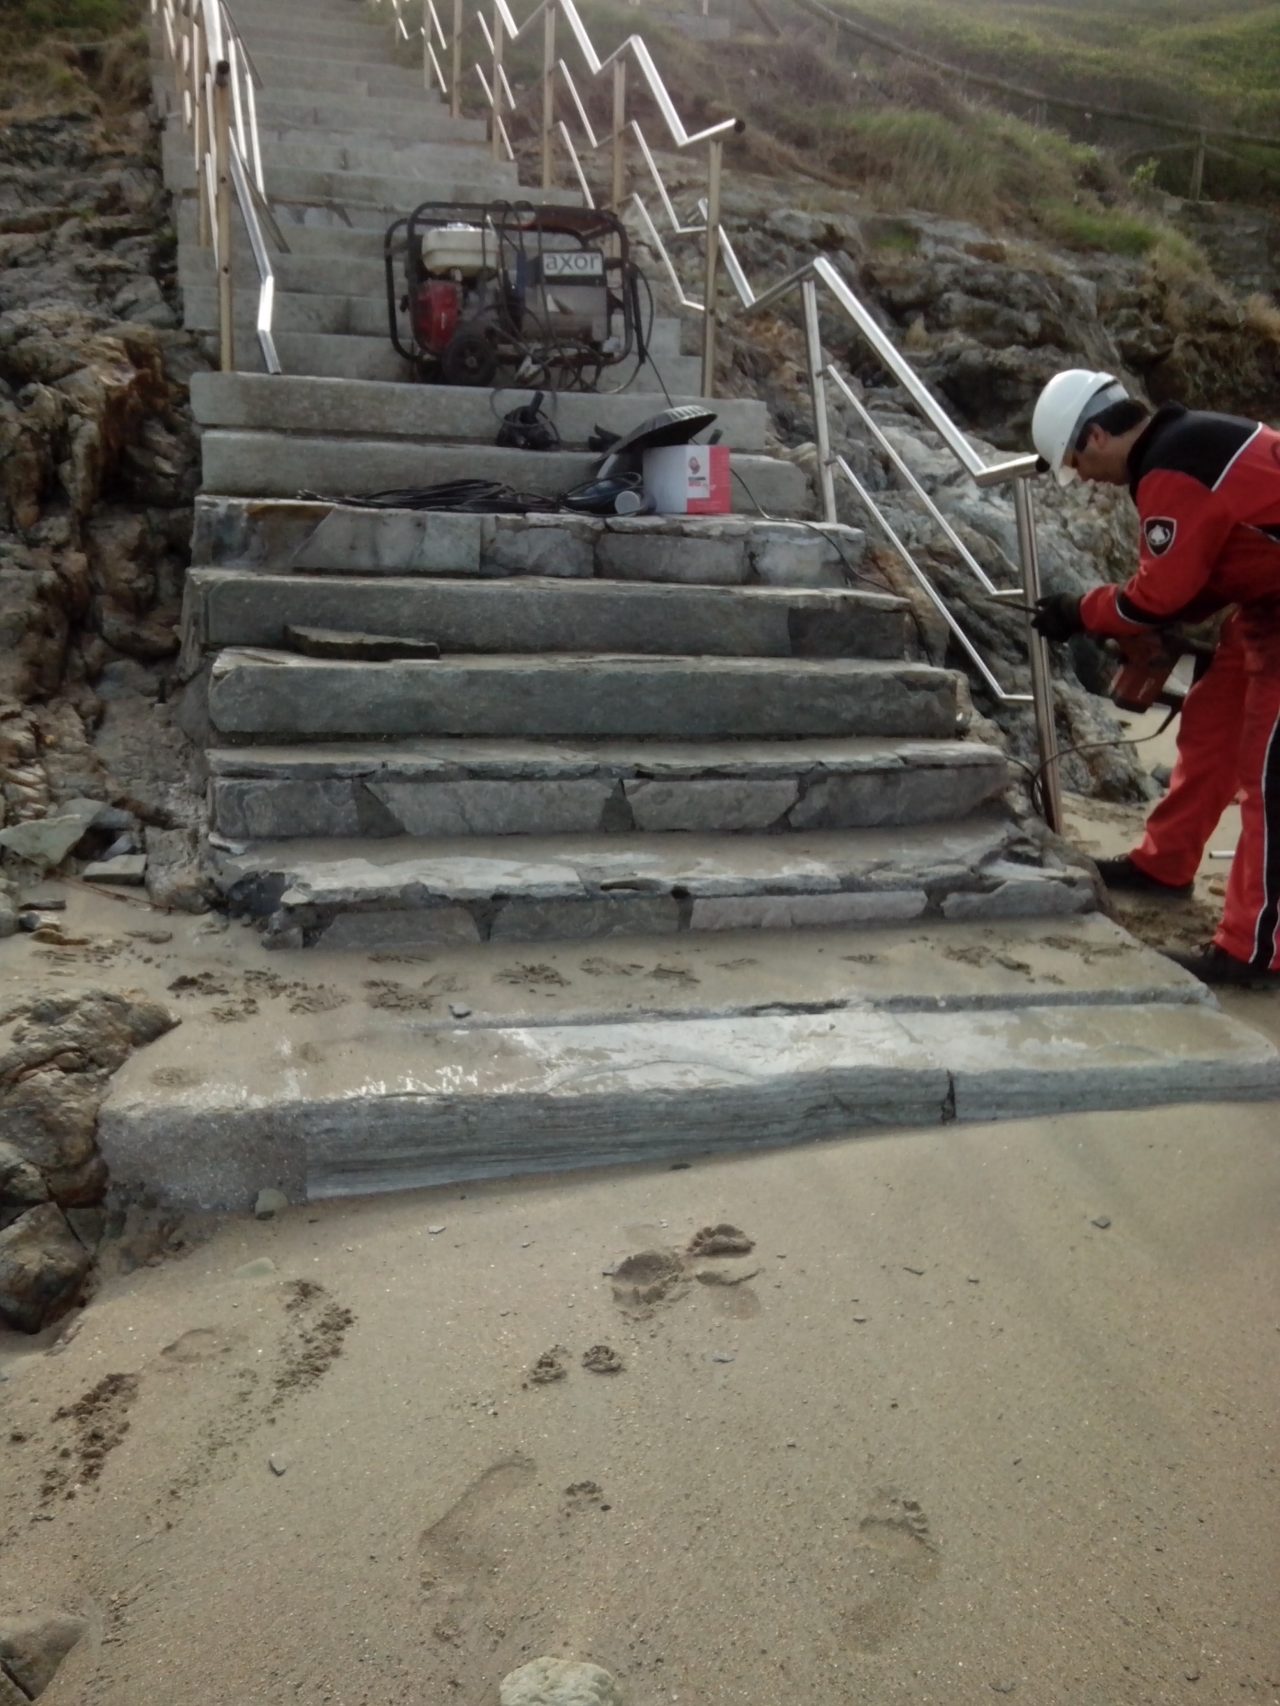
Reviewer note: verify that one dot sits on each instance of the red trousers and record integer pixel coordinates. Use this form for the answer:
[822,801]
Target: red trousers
[1228,745]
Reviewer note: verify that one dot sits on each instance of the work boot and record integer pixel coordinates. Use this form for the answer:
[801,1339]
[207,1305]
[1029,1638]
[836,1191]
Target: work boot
[1122,873]
[1212,964]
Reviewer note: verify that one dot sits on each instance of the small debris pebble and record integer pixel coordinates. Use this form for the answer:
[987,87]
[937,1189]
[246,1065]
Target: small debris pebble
[278,1463]
[270,1203]
[720,1356]
[435,1231]
[1101,1221]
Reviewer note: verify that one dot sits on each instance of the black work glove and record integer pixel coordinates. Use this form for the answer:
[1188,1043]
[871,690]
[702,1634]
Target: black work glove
[1057,616]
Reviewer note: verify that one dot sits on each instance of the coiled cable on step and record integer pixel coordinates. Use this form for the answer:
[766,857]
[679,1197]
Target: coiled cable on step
[466,497]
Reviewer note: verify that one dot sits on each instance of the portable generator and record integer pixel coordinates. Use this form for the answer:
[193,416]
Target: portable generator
[537,294]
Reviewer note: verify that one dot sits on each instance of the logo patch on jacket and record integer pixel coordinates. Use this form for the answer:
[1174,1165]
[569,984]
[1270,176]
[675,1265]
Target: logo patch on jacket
[1159,532]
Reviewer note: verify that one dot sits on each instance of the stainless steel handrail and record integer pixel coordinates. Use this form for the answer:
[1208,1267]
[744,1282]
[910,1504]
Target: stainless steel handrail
[1019,471]
[215,84]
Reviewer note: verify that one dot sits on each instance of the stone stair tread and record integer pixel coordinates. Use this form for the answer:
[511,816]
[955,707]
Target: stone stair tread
[377,408]
[647,1049]
[515,758]
[405,891]
[534,615]
[819,862]
[268,693]
[242,463]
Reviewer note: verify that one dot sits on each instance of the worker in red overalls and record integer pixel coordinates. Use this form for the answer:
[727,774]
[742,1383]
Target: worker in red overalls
[1207,488]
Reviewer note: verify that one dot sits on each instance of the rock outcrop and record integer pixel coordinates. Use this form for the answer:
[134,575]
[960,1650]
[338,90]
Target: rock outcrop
[54,1070]
[98,462]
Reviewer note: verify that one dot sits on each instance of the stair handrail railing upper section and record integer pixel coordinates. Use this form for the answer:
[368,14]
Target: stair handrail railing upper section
[215,89]
[629,66]
[820,273]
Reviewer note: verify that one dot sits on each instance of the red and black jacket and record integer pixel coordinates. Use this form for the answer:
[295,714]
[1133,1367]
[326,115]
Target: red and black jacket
[1207,489]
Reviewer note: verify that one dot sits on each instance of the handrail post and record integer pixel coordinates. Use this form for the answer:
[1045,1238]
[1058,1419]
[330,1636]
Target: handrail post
[455,69]
[818,390]
[1041,679]
[495,115]
[548,94]
[1197,170]
[222,143]
[426,44]
[711,282]
[204,221]
[619,185]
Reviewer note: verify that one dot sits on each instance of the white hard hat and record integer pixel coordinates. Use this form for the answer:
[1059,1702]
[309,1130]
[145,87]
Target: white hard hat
[1067,402]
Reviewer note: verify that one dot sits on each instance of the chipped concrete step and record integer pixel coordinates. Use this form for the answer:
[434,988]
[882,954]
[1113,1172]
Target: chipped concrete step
[323,355]
[284,536]
[384,1105]
[322,237]
[480,787]
[275,403]
[410,892]
[412,115]
[338,355]
[262,464]
[301,151]
[330,41]
[466,175]
[434,129]
[302,72]
[275,695]
[232,607]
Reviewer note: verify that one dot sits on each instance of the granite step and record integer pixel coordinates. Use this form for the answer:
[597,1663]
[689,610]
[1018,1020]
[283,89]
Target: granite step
[410,892]
[243,463]
[275,696]
[490,787]
[459,413]
[283,535]
[235,607]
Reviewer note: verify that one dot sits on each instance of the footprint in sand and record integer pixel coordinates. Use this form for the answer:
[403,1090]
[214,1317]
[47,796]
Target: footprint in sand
[199,1344]
[457,1552]
[893,1559]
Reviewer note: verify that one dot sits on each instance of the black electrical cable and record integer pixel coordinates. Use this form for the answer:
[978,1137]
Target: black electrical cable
[831,538]
[1035,782]
[469,497]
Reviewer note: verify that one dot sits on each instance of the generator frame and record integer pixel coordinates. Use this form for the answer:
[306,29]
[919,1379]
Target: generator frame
[522,226]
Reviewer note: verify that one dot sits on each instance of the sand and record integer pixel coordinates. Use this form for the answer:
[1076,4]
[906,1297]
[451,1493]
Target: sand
[952,1437]
[981,1411]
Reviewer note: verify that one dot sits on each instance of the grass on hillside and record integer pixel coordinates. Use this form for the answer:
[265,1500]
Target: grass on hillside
[71,53]
[1214,59]
[901,139]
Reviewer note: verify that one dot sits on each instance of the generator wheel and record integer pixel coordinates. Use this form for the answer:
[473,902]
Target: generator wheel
[469,359]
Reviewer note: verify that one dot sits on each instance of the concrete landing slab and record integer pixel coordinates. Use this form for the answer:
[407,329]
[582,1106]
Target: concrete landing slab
[390,1107]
